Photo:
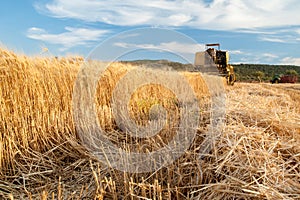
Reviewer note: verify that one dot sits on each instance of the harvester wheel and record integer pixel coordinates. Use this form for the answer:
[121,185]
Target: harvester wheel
[231,79]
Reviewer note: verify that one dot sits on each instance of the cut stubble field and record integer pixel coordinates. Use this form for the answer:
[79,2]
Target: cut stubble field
[41,156]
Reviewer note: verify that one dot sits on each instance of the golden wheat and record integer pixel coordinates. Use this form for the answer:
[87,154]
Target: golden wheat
[41,157]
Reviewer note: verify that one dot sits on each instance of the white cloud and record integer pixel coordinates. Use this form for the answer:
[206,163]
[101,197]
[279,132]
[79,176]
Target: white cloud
[287,35]
[218,15]
[255,31]
[70,38]
[166,46]
[130,35]
[269,55]
[236,52]
[272,39]
[256,57]
[290,61]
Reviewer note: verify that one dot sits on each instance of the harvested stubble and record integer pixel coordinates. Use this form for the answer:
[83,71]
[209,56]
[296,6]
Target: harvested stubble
[257,157]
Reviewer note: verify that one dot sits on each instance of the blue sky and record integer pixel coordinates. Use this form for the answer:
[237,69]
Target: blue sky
[253,31]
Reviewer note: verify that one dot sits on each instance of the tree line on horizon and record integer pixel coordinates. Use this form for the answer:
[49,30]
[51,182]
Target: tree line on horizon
[263,72]
[244,72]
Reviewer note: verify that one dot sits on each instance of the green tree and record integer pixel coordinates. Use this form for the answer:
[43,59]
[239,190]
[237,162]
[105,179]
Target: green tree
[291,72]
[259,75]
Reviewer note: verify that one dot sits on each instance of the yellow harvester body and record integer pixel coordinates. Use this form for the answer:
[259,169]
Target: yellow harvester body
[220,59]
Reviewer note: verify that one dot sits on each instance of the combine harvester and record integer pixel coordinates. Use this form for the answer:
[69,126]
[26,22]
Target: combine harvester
[220,59]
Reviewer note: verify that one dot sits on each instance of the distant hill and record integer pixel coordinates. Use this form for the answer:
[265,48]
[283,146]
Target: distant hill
[163,63]
[248,72]
[244,72]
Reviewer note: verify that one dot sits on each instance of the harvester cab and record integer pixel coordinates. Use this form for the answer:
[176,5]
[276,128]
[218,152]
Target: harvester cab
[219,58]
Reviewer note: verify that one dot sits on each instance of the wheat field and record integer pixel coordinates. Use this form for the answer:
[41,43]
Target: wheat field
[42,157]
